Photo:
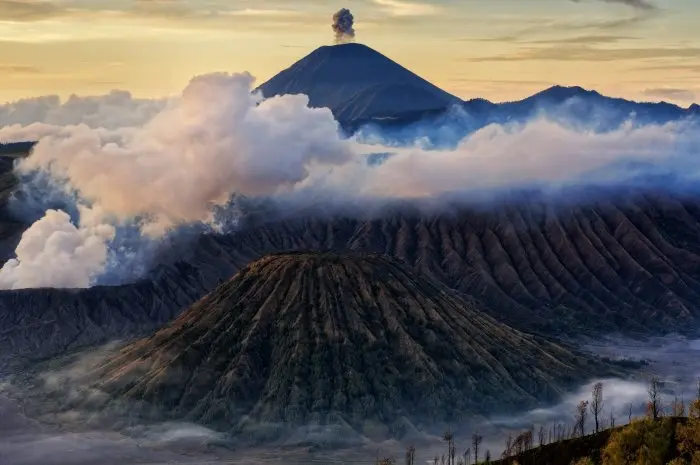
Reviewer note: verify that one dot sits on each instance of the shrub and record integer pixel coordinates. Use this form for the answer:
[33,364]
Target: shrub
[644,442]
[688,435]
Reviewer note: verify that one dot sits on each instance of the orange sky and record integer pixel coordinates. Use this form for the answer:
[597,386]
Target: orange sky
[497,49]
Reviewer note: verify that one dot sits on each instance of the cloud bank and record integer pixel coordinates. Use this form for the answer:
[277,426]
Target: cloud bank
[218,139]
[114,110]
[156,166]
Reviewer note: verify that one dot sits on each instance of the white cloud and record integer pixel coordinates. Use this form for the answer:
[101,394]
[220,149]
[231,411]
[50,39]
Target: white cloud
[54,253]
[216,140]
[169,163]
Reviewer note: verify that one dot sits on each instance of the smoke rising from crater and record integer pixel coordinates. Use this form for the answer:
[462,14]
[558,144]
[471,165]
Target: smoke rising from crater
[343,26]
[219,139]
[54,253]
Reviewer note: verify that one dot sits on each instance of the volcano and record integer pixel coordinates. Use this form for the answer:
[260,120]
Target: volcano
[357,340]
[358,83]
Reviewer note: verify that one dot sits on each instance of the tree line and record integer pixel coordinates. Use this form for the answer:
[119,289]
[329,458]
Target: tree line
[641,436]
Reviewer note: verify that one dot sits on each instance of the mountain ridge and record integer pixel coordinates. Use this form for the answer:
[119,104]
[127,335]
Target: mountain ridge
[380,92]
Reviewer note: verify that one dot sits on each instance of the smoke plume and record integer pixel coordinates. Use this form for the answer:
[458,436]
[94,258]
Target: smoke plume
[219,138]
[132,184]
[343,22]
[54,253]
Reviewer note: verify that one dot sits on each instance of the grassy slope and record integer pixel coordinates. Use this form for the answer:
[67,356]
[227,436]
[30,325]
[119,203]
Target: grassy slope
[570,450]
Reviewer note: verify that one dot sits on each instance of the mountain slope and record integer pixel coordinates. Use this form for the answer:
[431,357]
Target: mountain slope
[41,323]
[629,265]
[349,339]
[589,108]
[357,82]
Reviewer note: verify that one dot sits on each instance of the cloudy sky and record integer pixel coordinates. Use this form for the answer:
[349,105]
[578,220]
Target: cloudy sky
[498,49]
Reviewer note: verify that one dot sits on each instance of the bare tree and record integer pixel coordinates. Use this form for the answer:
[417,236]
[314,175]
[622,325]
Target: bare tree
[519,444]
[612,419]
[450,438]
[678,407]
[467,456]
[528,439]
[597,404]
[508,451]
[410,455]
[581,410]
[487,457]
[541,436]
[629,416]
[654,405]
[476,442]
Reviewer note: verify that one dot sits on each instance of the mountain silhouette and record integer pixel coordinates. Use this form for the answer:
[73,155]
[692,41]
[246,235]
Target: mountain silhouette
[360,85]
[358,340]
[357,82]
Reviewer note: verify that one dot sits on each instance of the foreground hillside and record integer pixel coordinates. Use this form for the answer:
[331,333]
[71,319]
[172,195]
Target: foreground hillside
[671,440]
[355,341]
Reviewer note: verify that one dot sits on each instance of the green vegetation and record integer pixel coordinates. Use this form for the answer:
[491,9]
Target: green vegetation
[643,442]
[653,440]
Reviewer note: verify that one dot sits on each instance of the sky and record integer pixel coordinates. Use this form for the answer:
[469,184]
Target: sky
[497,49]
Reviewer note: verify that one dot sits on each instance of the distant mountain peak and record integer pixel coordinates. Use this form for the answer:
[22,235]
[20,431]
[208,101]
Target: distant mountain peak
[353,49]
[563,92]
[357,83]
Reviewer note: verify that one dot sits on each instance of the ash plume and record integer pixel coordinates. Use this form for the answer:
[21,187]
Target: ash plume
[343,22]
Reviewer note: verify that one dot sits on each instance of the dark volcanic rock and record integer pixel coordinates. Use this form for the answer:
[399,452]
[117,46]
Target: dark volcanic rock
[11,228]
[629,265]
[321,338]
[40,323]
[357,83]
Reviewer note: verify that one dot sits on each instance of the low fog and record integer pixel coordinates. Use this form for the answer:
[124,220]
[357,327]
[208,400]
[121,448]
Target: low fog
[56,435]
[131,172]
